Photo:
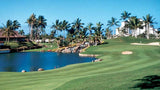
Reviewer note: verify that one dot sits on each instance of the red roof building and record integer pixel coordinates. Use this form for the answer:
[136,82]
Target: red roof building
[16,37]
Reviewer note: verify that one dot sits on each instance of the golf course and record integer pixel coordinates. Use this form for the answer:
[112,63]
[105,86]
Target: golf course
[114,72]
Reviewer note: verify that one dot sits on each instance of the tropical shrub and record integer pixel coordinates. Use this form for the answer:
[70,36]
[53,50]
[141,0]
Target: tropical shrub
[143,35]
[152,36]
[63,43]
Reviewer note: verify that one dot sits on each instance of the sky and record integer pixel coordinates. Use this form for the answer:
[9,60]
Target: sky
[88,10]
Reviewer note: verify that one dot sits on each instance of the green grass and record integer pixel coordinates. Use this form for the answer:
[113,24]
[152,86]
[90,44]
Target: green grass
[12,44]
[115,72]
[138,40]
[15,44]
[49,46]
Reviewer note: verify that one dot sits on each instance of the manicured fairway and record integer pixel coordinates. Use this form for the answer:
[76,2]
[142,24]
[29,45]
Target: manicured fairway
[115,72]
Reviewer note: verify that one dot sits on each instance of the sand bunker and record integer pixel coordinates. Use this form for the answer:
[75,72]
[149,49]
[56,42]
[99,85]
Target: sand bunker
[152,44]
[127,52]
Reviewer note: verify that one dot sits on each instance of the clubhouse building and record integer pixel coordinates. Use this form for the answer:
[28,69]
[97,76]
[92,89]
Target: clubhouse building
[16,37]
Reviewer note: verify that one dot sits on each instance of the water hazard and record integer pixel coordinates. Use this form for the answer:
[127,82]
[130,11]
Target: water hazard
[32,61]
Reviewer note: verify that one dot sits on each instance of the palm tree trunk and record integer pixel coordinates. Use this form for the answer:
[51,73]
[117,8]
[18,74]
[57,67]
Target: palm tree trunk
[108,36]
[38,35]
[95,42]
[57,40]
[135,34]
[113,32]
[132,33]
[147,31]
[63,36]
[72,42]
[31,35]
[64,33]
[8,39]
[58,43]
[101,38]
[89,37]
[30,32]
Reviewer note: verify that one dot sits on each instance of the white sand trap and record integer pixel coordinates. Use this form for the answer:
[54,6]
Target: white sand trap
[152,44]
[127,52]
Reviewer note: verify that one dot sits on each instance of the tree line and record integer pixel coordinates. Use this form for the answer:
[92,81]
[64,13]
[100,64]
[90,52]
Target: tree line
[76,31]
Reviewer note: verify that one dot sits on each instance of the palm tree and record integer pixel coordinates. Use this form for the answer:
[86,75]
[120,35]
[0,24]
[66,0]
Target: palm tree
[113,22]
[134,23]
[124,16]
[16,25]
[8,29]
[78,26]
[71,34]
[148,20]
[21,32]
[99,29]
[84,33]
[29,25]
[31,21]
[36,32]
[90,28]
[41,21]
[57,26]
[98,33]
[53,33]
[64,26]
[108,33]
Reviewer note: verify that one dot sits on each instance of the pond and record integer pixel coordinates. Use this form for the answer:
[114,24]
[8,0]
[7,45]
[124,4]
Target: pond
[32,61]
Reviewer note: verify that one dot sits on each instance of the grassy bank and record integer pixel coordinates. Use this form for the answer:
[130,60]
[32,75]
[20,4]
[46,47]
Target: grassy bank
[15,44]
[115,72]
[46,46]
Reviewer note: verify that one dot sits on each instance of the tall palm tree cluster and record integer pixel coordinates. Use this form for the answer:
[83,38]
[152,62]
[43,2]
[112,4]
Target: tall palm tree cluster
[9,28]
[76,31]
[133,23]
[36,26]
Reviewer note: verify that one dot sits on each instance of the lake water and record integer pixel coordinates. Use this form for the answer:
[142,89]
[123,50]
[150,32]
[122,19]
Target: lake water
[31,61]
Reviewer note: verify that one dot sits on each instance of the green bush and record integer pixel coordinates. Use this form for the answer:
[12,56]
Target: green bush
[152,36]
[16,44]
[13,44]
[63,43]
[142,35]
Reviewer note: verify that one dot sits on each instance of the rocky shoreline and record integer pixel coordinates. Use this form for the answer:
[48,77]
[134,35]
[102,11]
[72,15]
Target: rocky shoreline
[78,48]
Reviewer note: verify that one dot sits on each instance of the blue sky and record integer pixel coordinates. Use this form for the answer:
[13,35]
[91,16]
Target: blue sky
[87,10]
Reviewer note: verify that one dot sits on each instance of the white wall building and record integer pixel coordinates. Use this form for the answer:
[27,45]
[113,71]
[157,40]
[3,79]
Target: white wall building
[137,32]
[46,40]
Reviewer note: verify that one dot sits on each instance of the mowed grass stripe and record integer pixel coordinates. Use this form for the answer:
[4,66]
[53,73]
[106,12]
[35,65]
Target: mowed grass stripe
[113,66]
[130,70]
[38,77]
[125,76]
